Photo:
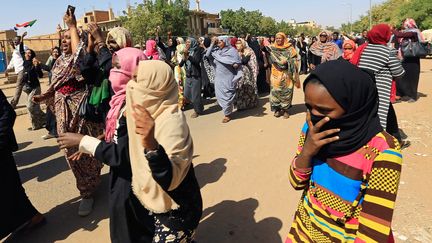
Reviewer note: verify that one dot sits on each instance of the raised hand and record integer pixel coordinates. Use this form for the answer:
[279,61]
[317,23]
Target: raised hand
[69,19]
[145,126]
[95,31]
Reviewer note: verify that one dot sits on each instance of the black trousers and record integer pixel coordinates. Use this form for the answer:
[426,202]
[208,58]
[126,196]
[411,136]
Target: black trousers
[15,207]
[392,124]
[304,64]
[51,123]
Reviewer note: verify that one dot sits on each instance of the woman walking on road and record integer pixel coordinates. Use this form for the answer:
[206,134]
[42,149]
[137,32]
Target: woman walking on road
[407,87]
[284,75]
[247,91]
[348,167]
[16,210]
[114,150]
[228,72]
[383,62]
[322,50]
[67,93]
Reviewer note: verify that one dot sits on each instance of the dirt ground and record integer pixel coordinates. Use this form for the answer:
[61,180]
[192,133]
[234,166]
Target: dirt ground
[242,168]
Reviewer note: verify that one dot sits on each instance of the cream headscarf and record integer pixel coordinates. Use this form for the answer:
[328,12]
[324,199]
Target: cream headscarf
[156,90]
[121,36]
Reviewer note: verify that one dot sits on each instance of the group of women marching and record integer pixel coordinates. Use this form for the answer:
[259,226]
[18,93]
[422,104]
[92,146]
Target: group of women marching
[122,107]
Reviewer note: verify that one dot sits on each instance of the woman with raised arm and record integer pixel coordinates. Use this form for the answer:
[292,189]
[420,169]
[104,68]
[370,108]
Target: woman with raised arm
[67,93]
[228,71]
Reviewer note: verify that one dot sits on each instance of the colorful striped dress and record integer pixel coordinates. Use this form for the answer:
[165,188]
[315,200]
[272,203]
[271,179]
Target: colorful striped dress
[349,198]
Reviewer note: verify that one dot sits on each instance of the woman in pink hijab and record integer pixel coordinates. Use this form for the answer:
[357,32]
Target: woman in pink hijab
[114,151]
[151,50]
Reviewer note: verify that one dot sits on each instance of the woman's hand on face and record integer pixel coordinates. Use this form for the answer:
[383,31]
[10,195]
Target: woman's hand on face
[316,138]
[312,67]
[69,140]
[70,20]
[145,126]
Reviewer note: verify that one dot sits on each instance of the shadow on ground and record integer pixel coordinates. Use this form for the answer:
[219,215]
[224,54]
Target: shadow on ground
[63,219]
[210,172]
[297,109]
[231,221]
[31,156]
[42,171]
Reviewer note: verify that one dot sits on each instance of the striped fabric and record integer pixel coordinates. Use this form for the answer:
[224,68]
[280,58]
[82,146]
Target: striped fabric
[349,198]
[384,62]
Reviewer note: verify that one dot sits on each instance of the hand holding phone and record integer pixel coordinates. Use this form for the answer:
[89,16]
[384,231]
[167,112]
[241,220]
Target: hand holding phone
[69,17]
[70,10]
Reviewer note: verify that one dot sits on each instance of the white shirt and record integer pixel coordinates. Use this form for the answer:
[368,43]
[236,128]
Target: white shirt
[17,61]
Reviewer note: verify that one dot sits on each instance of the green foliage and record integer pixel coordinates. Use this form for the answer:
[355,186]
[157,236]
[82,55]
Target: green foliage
[242,22]
[144,19]
[394,12]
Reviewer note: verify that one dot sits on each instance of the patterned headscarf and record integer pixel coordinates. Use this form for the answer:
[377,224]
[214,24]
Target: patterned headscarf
[410,24]
[121,36]
[327,51]
[348,53]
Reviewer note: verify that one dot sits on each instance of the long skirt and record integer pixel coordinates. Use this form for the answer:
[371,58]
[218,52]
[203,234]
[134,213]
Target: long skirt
[146,227]
[282,89]
[15,207]
[180,77]
[192,92]
[37,116]
[87,169]
[247,92]
[408,84]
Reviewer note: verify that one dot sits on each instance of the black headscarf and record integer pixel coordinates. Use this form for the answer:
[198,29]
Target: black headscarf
[207,42]
[171,49]
[28,64]
[355,91]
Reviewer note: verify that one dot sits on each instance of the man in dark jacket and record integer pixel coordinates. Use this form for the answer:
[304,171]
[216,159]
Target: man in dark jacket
[16,210]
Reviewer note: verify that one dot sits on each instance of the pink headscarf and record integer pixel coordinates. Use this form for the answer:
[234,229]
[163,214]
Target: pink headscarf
[410,24]
[128,58]
[151,50]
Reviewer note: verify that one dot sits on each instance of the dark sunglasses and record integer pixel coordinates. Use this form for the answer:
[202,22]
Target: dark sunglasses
[323,35]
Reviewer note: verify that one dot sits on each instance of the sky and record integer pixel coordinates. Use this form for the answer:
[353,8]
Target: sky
[49,12]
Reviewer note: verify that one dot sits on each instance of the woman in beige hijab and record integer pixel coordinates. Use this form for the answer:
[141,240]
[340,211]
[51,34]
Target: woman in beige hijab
[161,150]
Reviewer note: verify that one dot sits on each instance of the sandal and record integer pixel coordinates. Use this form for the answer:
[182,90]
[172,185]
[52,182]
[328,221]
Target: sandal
[286,115]
[277,114]
[226,119]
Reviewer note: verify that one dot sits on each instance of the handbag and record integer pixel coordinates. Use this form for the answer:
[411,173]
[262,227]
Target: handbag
[89,111]
[414,48]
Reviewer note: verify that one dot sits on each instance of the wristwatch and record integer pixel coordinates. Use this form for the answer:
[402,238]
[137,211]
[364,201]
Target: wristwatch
[152,153]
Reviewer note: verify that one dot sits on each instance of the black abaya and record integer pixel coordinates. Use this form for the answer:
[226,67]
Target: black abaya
[408,84]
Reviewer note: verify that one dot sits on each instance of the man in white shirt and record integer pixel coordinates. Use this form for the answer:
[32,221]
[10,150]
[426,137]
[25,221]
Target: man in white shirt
[16,63]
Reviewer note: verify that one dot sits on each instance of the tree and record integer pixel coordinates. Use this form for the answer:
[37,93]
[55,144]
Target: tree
[419,10]
[267,26]
[395,11]
[144,19]
[241,21]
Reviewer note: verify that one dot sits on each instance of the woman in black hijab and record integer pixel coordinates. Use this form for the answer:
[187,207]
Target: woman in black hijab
[32,73]
[348,167]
